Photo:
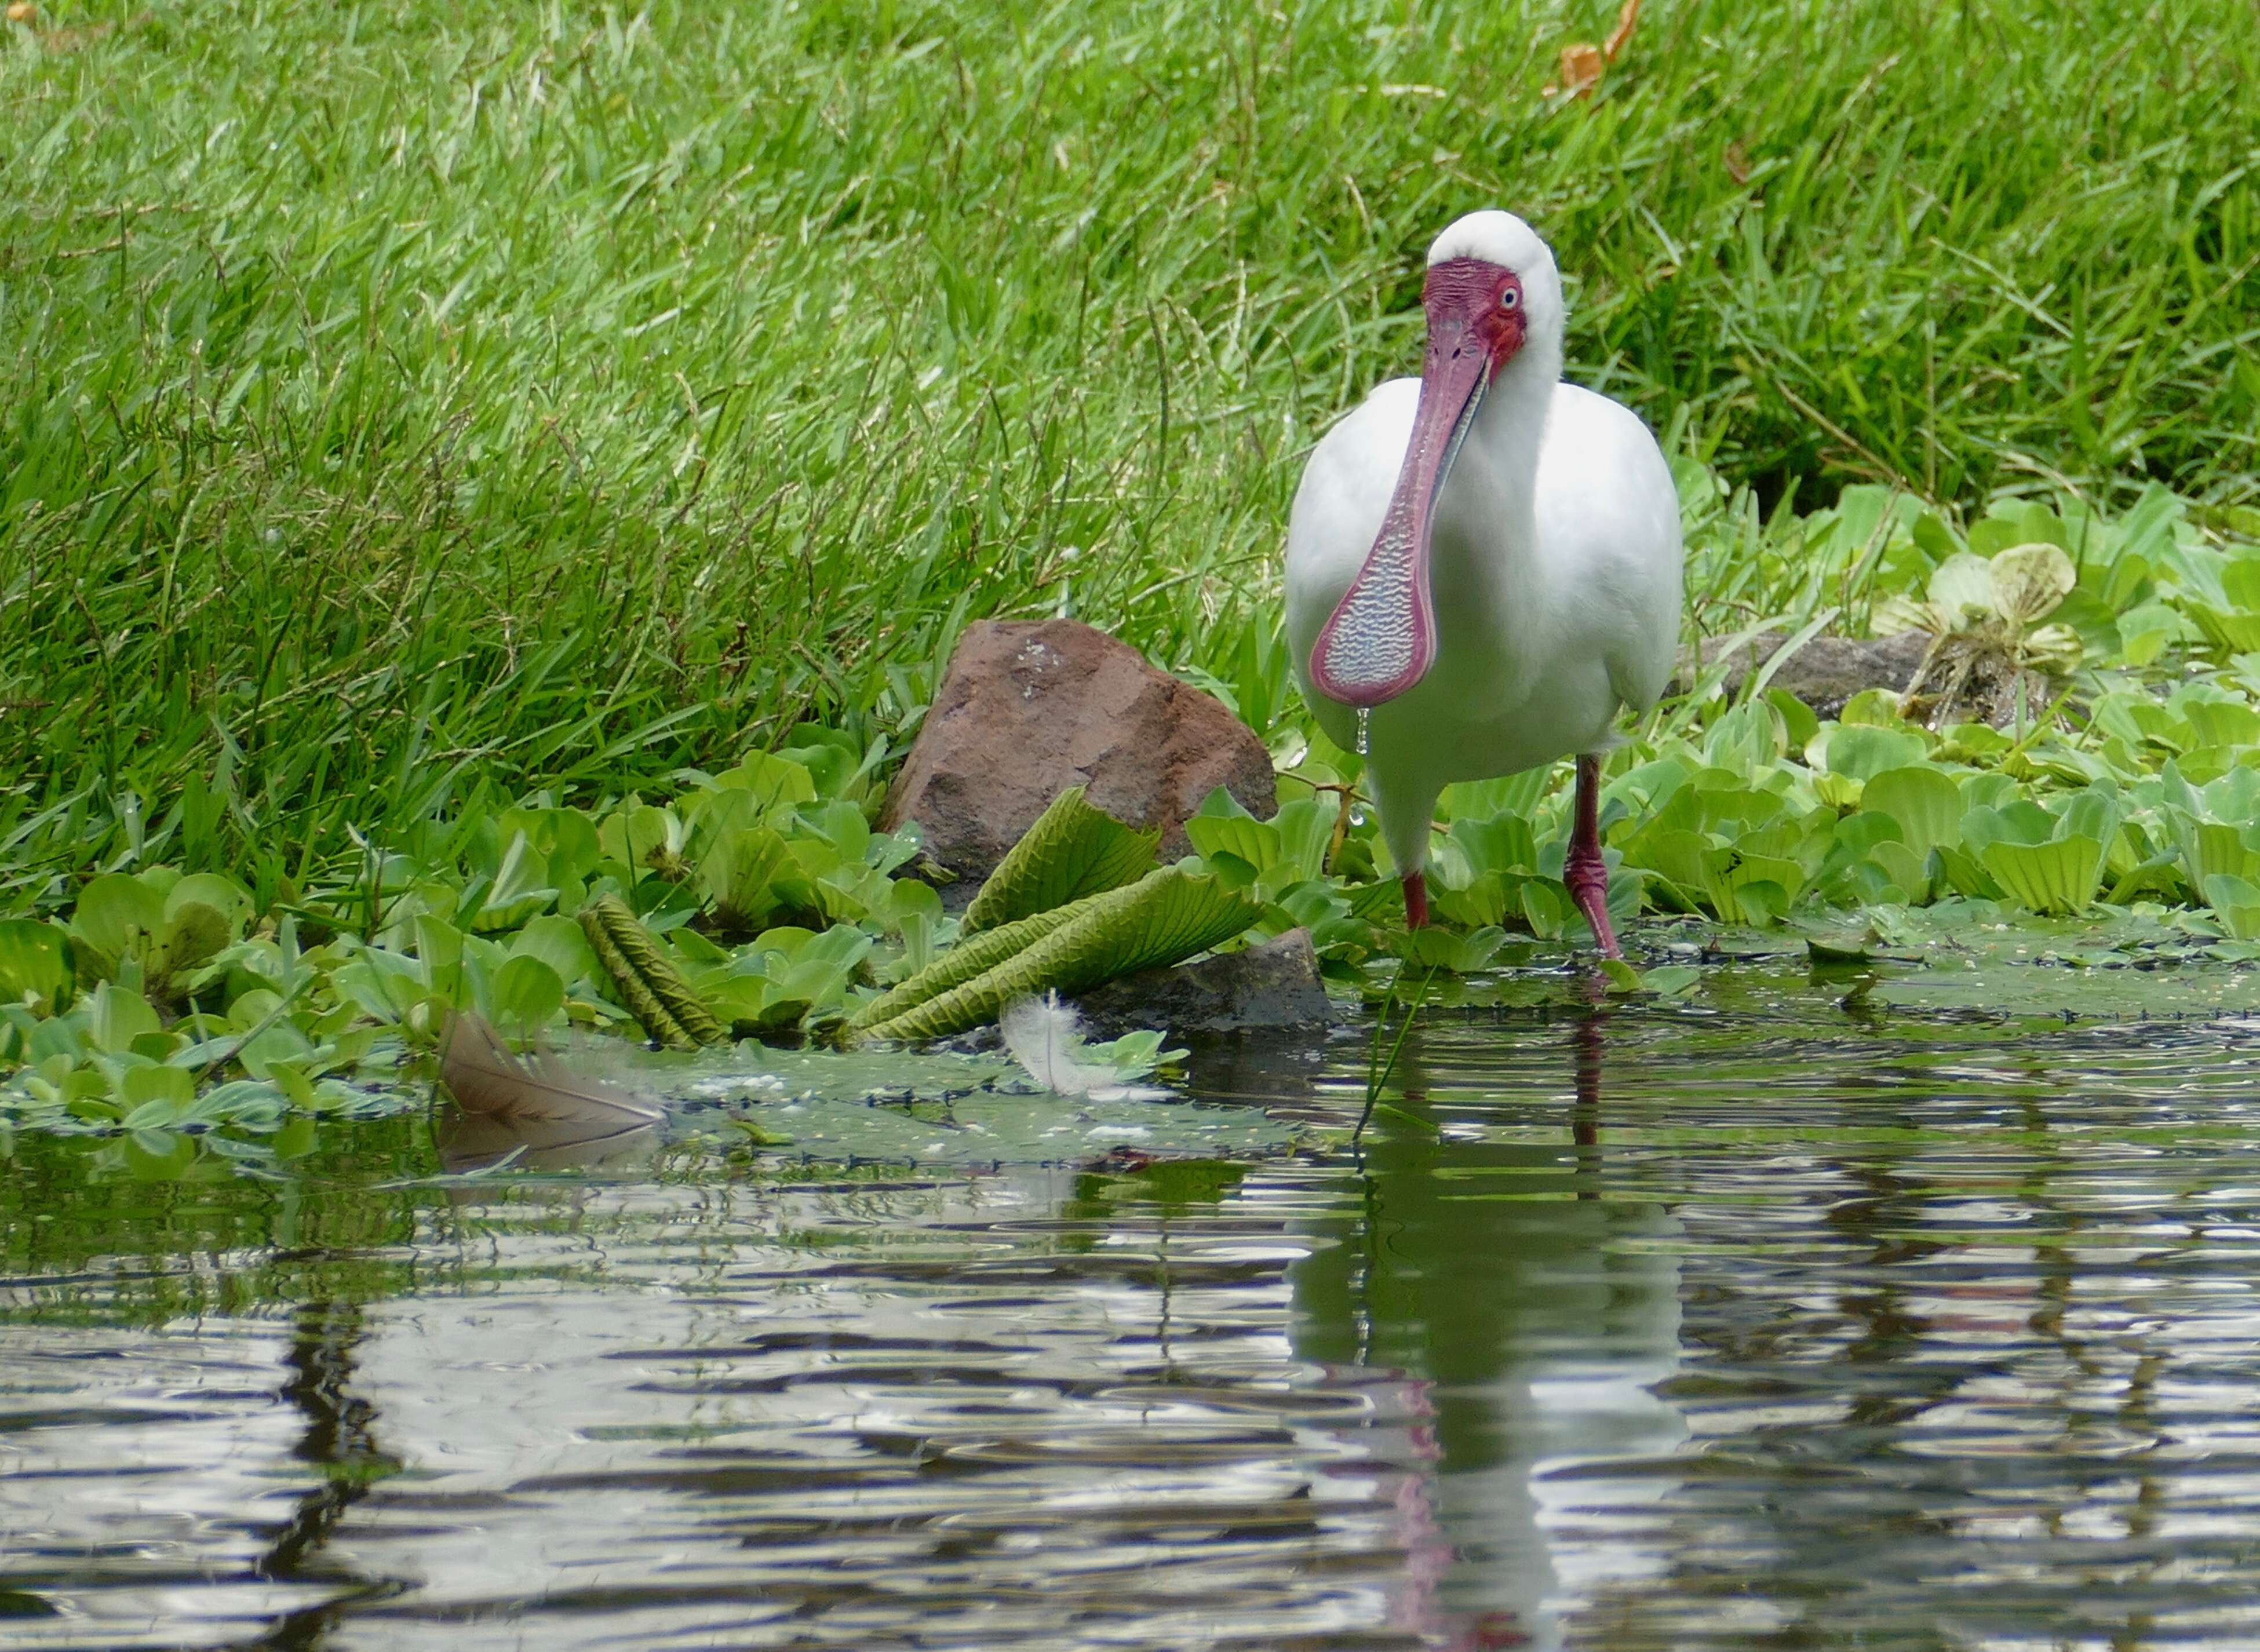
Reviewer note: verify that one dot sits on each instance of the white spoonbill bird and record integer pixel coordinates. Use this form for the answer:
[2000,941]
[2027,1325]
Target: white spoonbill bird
[1484,562]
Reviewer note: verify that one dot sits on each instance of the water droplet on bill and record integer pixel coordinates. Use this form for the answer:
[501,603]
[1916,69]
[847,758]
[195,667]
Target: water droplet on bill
[1364,716]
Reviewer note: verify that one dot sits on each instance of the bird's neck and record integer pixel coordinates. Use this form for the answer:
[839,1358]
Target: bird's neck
[1484,564]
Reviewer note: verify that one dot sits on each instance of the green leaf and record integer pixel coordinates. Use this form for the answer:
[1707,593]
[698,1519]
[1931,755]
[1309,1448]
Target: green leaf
[2059,876]
[1925,803]
[1898,863]
[223,895]
[740,873]
[35,964]
[1961,586]
[559,942]
[2235,901]
[527,992]
[1166,917]
[1434,948]
[566,838]
[120,1017]
[1502,843]
[294,1139]
[112,911]
[1672,980]
[771,779]
[1306,829]
[155,1097]
[649,984]
[194,933]
[159,1155]
[970,958]
[1620,975]
[2029,581]
[521,888]
[1862,752]
[1071,852]
[1755,889]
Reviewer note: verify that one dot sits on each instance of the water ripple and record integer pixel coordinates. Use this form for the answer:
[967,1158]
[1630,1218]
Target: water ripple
[1655,1331]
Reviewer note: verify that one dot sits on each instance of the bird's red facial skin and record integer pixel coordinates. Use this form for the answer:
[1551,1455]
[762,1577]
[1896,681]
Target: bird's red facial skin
[1466,297]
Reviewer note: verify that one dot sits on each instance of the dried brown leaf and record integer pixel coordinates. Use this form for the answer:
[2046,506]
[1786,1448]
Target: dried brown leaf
[1622,32]
[1581,69]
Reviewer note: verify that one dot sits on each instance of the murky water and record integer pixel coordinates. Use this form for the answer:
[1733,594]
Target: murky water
[1663,1330]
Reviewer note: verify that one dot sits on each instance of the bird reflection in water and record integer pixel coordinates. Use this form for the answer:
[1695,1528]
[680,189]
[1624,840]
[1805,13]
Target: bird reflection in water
[1510,1314]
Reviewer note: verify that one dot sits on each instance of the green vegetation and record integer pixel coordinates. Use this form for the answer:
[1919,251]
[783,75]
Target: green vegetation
[457,465]
[408,406]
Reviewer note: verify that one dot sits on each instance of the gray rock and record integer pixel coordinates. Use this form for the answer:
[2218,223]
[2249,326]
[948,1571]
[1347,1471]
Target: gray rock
[1826,671]
[1273,985]
[1029,708]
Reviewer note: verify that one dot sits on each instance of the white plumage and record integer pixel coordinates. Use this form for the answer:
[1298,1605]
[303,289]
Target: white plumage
[1552,549]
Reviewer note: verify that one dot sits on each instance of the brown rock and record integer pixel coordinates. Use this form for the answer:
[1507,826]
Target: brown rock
[1826,671]
[1029,708]
[1275,984]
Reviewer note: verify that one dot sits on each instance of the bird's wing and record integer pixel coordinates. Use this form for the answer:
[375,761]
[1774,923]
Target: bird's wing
[1608,529]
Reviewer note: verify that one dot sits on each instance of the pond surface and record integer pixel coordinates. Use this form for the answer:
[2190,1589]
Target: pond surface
[1663,1328]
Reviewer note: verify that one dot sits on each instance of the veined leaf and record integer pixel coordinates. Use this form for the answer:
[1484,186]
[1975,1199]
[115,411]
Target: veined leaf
[1754,889]
[2029,581]
[1241,836]
[2059,876]
[2236,902]
[1925,803]
[740,875]
[653,989]
[1900,865]
[973,956]
[1072,851]
[1165,918]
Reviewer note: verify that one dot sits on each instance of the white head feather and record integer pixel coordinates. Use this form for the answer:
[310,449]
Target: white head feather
[1502,239]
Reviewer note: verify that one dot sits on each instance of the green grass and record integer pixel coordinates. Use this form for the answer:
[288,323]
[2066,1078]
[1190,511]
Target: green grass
[401,401]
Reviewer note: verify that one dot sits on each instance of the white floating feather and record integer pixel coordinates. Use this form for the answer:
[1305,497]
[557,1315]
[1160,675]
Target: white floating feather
[1044,1036]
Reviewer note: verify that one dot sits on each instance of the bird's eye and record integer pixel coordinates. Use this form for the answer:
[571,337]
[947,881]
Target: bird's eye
[1510,299]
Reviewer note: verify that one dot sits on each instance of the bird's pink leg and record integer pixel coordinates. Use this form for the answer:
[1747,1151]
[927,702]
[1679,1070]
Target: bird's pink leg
[1584,871]
[1416,900]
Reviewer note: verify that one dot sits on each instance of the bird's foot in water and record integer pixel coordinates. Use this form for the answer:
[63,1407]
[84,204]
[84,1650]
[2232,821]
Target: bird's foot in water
[1587,879]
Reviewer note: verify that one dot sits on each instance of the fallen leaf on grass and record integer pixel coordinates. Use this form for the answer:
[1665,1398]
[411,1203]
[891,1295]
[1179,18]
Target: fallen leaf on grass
[1622,32]
[1583,63]
[1581,71]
